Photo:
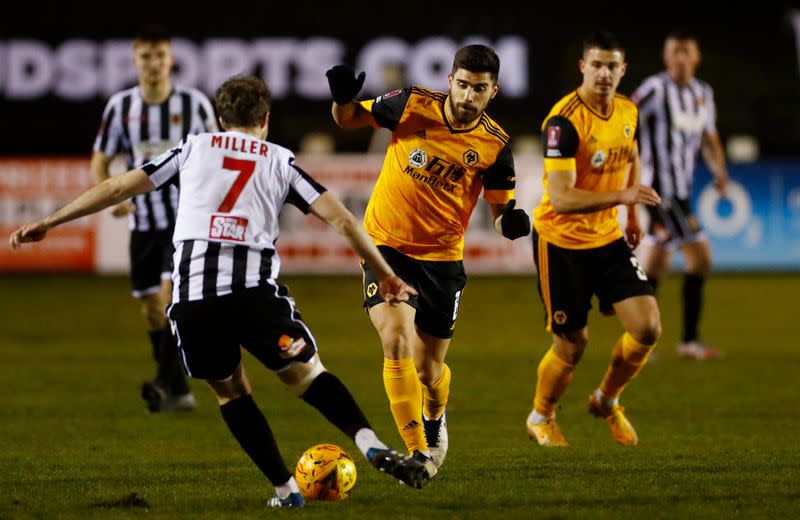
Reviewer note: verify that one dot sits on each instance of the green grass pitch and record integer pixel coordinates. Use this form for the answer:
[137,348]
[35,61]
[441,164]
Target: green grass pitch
[717,439]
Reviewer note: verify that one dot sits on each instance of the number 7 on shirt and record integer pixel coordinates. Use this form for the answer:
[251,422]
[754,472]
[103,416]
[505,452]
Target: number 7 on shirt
[245,169]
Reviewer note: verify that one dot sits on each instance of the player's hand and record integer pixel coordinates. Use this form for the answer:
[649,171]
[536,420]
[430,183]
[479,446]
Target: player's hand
[122,209]
[514,223]
[639,195]
[28,233]
[633,232]
[394,290]
[344,84]
[722,185]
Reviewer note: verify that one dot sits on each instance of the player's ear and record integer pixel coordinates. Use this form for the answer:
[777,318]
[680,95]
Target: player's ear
[222,123]
[495,89]
[623,69]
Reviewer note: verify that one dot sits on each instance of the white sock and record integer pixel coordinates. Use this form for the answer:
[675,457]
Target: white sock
[287,488]
[608,402]
[425,417]
[537,418]
[366,439]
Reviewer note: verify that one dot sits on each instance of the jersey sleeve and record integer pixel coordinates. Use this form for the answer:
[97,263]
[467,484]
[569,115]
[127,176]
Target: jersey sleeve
[303,189]
[110,133]
[165,168]
[499,179]
[560,144]
[647,96]
[388,109]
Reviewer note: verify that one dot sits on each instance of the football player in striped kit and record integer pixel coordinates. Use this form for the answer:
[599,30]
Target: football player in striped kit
[226,294]
[677,120]
[140,123]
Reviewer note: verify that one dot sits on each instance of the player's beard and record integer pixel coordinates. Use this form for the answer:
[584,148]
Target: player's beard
[463,115]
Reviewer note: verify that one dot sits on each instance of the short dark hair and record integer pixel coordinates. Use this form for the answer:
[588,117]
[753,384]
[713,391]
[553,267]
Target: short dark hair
[602,40]
[681,33]
[152,33]
[243,101]
[477,58]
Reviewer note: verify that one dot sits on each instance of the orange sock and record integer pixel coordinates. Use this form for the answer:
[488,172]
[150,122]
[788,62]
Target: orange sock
[554,376]
[627,359]
[405,399]
[435,396]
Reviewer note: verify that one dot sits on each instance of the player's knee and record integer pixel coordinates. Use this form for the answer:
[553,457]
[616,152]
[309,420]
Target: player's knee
[429,371]
[229,390]
[396,341]
[649,331]
[569,346]
[299,376]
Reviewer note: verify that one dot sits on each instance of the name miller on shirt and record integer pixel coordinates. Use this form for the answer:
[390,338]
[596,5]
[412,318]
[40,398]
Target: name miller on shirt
[239,144]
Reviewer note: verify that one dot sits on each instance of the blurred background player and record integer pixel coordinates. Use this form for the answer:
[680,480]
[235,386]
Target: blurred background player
[140,123]
[677,117]
[233,186]
[444,150]
[590,156]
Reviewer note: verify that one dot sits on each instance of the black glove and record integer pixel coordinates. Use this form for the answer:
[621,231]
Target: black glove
[344,84]
[515,223]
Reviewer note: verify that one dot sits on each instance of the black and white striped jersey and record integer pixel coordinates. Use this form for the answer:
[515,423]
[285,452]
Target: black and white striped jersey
[672,121]
[232,189]
[142,131]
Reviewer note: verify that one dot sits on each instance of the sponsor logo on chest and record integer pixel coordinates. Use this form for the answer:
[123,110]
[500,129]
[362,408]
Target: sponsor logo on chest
[226,227]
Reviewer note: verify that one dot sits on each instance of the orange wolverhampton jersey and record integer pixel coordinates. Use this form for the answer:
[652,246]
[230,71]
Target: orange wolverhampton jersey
[598,149]
[433,174]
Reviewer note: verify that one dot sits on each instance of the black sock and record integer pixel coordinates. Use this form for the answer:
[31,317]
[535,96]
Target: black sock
[170,368]
[692,303]
[250,428]
[329,395]
[155,342]
[653,283]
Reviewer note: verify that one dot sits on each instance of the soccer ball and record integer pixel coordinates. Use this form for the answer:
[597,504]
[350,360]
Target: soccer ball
[325,472]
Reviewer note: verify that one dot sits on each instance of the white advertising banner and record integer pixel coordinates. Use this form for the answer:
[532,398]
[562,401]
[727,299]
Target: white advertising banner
[306,244]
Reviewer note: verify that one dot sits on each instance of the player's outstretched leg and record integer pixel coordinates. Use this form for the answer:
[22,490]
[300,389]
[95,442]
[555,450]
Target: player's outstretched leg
[325,392]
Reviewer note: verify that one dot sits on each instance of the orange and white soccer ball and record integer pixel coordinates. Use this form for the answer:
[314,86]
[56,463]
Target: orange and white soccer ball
[325,472]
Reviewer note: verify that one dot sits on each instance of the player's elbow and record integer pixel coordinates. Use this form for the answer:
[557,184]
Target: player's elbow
[346,224]
[117,190]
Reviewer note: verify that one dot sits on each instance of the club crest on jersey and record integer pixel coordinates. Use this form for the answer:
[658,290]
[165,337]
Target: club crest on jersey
[417,158]
[471,157]
[290,346]
[226,227]
[599,158]
[560,317]
[627,131]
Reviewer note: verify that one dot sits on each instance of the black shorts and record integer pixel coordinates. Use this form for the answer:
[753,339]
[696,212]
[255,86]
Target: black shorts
[673,223]
[263,320]
[151,260]
[568,278]
[439,285]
